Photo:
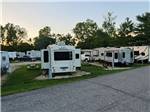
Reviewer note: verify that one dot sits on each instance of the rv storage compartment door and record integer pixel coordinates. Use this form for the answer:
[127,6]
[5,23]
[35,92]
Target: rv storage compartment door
[45,59]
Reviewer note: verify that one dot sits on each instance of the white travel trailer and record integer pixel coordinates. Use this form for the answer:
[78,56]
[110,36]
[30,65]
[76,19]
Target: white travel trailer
[4,59]
[141,53]
[34,54]
[12,55]
[60,58]
[98,53]
[20,54]
[119,55]
[112,54]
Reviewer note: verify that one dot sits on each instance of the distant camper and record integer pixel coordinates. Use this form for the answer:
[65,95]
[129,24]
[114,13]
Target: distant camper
[112,54]
[20,54]
[60,58]
[34,54]
[141,53]
[12,55]
[5,64]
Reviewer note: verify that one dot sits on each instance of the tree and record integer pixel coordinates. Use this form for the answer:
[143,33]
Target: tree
[142,30]
[109,25]
[13,34]
[2,32]
[84,30]
[126,28]
[68,39]
[85,33]
[45,32]
[44,38]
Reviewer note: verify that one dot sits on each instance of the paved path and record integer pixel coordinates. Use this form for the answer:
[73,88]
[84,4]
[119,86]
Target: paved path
[128,91]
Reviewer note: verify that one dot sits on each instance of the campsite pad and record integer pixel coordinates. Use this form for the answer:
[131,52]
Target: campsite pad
[110,68]
[75,74]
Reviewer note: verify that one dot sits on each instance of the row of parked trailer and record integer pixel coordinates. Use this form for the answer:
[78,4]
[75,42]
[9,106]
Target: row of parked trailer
[29,55]
[61,58]
[122,55]
[6,57]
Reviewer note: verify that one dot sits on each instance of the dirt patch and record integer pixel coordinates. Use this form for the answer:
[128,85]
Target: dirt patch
[75,74]
[109,67]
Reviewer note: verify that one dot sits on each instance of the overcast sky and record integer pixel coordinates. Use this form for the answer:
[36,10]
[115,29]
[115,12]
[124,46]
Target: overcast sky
[62,16]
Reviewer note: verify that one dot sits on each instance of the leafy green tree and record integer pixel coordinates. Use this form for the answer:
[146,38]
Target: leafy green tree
[109,25]
[85,33]
[142,30]
[68,39]
[84,30]
[45,32]
[126,28]
[13,34]
[44,38]
[102,39]
[24,46]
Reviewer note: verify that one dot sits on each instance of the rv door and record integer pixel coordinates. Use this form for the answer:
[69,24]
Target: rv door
[77,58]
[45,59]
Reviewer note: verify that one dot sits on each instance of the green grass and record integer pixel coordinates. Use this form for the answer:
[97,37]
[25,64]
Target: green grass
[22,79]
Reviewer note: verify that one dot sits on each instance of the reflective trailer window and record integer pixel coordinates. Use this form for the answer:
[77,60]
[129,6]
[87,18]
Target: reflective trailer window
[46,57]
[3,58]
[77,56]
[108,54]
[143,54]
[116,55]
[136,53]
[131,54]
[123,54]
[62,56]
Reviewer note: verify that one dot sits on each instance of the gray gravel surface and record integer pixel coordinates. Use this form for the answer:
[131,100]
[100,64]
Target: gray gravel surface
[128,91]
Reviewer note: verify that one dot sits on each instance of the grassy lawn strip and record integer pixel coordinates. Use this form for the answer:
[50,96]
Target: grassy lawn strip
[22,79]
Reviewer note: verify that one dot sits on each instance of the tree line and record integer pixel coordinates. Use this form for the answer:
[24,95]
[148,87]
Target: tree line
[86,34]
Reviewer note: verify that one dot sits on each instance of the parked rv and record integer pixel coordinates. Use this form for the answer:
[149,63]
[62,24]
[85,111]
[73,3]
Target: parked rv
[5,64]
[115,55]
[20,54]
[34,54]
[141,53]
[119,55]
[12,55]
[60,58]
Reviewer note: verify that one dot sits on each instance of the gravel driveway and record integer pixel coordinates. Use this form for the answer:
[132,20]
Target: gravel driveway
[128,91]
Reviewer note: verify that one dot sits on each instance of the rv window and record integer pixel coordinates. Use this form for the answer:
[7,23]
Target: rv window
[102,54]
[62,56]
[131,54]
[136,53]
[143,54]
[108,54]
[123,54]
[77,56]
[87,55]
[116,55]
[3,58]
[46,57]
